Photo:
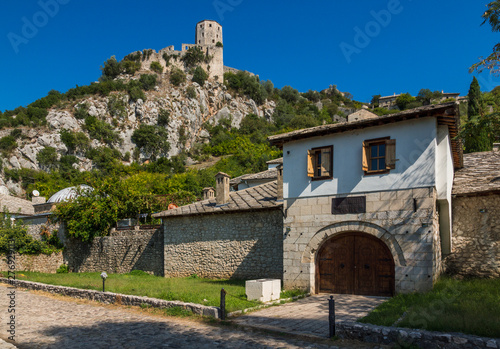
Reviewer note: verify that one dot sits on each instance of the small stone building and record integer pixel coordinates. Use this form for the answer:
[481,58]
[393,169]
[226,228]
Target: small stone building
[232,235]
[476,217]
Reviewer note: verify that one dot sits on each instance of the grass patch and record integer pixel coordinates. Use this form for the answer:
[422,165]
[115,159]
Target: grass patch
[191,289]
[467,306]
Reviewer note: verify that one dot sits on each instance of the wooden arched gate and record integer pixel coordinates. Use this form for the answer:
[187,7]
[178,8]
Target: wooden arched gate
[355,263]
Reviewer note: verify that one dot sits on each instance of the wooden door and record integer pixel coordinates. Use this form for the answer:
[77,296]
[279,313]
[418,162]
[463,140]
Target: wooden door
[355,263]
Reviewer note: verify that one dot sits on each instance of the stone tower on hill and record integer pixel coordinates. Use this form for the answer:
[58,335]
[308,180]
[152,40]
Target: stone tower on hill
[208,32]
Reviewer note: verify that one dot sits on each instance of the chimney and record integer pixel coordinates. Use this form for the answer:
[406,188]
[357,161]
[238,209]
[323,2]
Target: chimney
[496,146]
[279,190]
[36,200]
[208,193]
[222,188]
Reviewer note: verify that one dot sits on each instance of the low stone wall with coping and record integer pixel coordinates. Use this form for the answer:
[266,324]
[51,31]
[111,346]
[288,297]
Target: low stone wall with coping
[114,298]
[41,263]
[406,337]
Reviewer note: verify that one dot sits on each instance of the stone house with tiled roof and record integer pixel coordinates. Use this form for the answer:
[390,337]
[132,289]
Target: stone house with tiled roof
[367,203]
[235,234]
[476,216]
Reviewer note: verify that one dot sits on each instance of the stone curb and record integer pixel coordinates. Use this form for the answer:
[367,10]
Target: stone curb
[406,336]
[114,298]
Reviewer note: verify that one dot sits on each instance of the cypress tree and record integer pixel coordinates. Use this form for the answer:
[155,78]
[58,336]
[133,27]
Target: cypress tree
[474,107]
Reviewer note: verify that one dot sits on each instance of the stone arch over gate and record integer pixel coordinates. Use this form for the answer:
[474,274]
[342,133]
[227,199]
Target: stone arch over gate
[308,256]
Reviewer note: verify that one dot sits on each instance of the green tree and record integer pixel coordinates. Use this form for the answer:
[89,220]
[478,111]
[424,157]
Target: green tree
[156,67]
[403,100]
[200,75]
[193,56]
[474,106]
[101,130]
[177,77]
[66,162]
[75,142]
[163,117]
[152,140]
[47,157]
[480,132]
[375,101]
[111,69]
[289,94]
[148,81]
[491,63]
[92,213]
[7,144]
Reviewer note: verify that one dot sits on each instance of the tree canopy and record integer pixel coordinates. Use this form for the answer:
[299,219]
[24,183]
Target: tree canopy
[492,62]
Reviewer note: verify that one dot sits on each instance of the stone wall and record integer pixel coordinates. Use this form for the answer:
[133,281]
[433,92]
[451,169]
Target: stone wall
[114,298]
[476,237]
[243,245]
[412,338]
[405,220]
[40,263]
[36,225]
[121,252]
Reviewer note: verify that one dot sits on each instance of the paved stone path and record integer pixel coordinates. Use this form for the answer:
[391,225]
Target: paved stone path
[309,316]
[52,321]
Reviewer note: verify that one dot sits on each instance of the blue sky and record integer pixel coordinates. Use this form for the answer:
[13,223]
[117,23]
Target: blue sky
[364,47]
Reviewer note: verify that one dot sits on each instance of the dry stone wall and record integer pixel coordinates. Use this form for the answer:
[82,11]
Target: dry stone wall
[120,252]
[40,263]
[244,245]
[476,237]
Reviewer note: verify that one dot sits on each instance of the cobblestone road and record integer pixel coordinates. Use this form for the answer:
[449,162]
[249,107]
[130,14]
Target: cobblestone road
[51,321]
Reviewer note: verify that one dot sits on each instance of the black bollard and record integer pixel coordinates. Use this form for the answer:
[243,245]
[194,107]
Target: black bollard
[223,304]
[331,316]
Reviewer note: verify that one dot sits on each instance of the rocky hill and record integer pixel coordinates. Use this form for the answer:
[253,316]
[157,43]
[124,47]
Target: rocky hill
[188,106]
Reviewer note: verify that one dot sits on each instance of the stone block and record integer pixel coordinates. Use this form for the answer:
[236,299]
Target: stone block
[388,195]
[405,194]
[377,206]
[373,197]
[263,290]
[305,210]
[324,200]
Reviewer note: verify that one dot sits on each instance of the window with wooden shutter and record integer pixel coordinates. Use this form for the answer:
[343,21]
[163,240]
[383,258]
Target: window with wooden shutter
[379,155]
[320,163]
[310,163]
[390,154]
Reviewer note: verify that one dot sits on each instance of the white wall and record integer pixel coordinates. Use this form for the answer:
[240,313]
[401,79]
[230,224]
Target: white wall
[444,183]
[415,149]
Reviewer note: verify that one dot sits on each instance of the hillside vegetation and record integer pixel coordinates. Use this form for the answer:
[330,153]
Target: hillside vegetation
[131,135]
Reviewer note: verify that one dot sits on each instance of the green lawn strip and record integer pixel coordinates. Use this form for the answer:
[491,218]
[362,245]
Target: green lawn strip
[190,289]
[466,306]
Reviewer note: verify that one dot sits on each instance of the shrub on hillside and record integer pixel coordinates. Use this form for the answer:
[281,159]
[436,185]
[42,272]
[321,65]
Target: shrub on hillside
[7,144]
[200,75]
[101,130]
[47,157]
[152,140]
[177,77]
[156,67]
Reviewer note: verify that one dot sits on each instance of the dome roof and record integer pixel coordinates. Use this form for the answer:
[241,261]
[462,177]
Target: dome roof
[69,193]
